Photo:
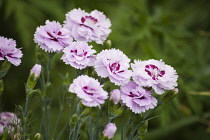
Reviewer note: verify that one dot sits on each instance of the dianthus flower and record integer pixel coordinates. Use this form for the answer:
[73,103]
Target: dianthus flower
[137,98]
[89,90]
[88,27]
[79,55]
[2,126]
[8,120]
[110,130]
[52,37]
[8,49]
[155,74]
[113,64]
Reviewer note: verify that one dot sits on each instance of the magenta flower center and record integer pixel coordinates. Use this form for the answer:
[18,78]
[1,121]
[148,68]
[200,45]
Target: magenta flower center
[89,20]
[81,54]
[136,96]
[115,67]
[154,71]
[53,36]
[88,91]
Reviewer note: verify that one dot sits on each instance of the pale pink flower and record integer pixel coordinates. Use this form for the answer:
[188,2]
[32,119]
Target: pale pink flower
[2,126]
[89,90]
[110,130]
[88,27]
[155,74]
[8,50]
[113,64]
[9,120]
[79,55]
[52,37]
[137,98]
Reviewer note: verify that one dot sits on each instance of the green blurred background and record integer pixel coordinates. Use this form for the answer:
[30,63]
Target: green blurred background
[177,31]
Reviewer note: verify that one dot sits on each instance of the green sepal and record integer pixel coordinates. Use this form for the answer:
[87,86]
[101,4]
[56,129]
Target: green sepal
[73,120]
[48,89]
[1,86]
[4,68]
[169,95]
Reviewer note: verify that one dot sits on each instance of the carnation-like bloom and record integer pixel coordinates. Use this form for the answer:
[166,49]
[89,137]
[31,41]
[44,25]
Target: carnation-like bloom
[137,98]
[89,90]
[110,130]
[88,27]
[8,49]
[36,70]
[79,55]
[8,120]
[113,64]
[115,96]
[155,74]
[52,37]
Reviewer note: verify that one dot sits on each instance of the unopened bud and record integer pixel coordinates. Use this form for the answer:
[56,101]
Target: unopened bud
[109,131]
[115,96]
[36,70]
[74,120]
[108,44]
[143,128]
[33,76]
[17,136]
[37,136]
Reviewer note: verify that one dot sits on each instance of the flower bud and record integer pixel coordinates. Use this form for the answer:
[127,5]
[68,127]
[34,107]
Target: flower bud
[110,130]
[108,44]
[17,136]
[169,95]
[74,120]
[143,128]
[36,70]
[33,76]
[37,136]
[115,96]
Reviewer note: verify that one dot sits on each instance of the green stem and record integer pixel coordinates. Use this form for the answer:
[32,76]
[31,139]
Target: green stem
[25,117]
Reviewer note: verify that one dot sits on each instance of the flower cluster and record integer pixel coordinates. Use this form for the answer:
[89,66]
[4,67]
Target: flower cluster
[9,51]
[137,81]
[8,120]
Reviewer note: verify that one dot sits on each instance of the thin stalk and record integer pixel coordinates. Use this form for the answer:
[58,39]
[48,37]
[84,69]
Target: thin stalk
[61,132]
[43,116]
[25,117]
[59,114]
